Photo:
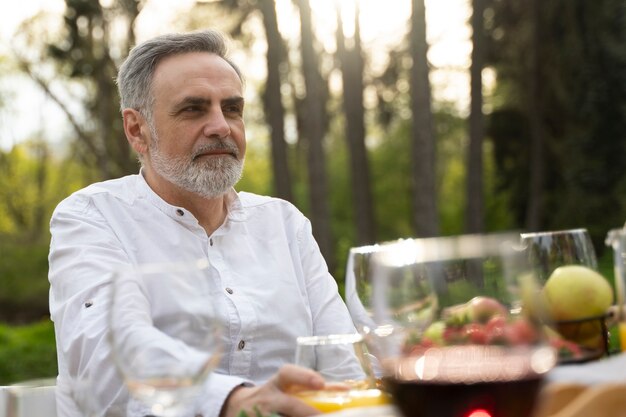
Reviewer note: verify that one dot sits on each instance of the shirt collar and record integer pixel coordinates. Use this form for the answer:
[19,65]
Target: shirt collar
[235,208]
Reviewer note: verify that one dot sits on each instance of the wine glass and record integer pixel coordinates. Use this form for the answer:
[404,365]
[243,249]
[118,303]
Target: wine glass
[360,290]
[550,249]
[87,397]
[472,344]
[346,365]
[561,254]
[164,335]
[358,287]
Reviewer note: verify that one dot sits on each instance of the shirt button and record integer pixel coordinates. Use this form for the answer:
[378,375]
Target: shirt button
[229,290]
[211,241]
[241,345]
[180,212]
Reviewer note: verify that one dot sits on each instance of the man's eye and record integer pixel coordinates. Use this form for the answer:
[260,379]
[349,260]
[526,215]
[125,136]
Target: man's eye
[192,109]
[233,109]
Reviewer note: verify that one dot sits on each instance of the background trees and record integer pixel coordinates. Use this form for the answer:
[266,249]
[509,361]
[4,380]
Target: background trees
[558,121]
[358,142]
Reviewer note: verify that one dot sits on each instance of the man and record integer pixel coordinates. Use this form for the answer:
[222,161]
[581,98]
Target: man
[182,104]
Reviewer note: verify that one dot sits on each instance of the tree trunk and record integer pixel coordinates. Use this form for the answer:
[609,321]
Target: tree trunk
[423,142]
[314,130]
[474,221]
[537,158]
[351,62]
[274,110]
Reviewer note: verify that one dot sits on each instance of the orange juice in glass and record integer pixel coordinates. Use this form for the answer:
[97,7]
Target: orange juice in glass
[622,335]
[346,366]
[616,239]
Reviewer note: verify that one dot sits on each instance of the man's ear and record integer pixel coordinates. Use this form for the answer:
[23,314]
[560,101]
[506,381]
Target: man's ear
[136,130]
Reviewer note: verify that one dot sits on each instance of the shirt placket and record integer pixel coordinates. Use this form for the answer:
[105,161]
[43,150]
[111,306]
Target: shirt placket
[241,315]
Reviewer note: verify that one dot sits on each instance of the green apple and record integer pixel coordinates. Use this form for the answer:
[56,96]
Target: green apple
[574,292]
[434,332]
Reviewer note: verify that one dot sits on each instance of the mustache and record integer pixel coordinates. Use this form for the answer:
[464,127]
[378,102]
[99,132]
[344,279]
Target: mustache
[218,146]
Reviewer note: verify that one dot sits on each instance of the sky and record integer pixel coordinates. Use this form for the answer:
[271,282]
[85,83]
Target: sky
[28,111]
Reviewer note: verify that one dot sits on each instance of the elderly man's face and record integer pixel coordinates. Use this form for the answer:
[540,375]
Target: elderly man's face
[197,136]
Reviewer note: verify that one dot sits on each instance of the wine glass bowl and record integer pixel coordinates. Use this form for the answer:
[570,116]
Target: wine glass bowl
[358,286]
[580,329]
[549,250]
[361,288]
[164,334]
[469,330]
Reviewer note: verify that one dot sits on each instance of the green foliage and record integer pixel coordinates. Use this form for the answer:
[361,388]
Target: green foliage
[32,182]
[257,172]
[27,352]
[390,161]
[23,282]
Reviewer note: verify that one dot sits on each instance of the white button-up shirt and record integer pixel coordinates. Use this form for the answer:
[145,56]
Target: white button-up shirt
[268,280]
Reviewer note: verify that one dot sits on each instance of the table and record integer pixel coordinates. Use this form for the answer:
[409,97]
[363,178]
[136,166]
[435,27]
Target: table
[598,374]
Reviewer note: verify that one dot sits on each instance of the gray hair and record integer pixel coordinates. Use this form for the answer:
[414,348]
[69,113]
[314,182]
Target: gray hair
[134,78]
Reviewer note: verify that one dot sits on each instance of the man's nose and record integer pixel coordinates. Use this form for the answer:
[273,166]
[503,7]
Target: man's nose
[216,125]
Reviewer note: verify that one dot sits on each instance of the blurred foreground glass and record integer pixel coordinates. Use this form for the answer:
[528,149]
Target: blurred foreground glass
[616,239]
[164,334]
[346,366]
[471,340]
[567,255]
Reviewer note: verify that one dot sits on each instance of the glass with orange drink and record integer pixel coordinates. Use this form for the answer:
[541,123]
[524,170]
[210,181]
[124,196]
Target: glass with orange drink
[346,366]
[616,239]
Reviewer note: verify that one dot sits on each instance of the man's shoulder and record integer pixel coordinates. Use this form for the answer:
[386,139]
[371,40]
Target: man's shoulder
[265,212]
[251,202]
[118,188]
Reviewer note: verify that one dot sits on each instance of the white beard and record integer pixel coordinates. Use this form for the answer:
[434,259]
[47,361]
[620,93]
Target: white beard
[209,177]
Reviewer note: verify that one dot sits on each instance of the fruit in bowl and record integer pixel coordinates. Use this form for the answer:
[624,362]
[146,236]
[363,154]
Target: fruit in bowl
[480,321]
[485,321]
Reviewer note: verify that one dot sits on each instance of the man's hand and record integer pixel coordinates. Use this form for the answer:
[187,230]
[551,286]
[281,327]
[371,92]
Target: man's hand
[272,397]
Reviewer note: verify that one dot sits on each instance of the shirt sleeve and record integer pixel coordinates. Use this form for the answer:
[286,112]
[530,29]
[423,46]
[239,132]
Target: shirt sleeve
[83,252]
[329,312]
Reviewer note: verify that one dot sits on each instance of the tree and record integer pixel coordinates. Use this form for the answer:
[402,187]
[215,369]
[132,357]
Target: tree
[351,63]
[84,55]
[562,80]
[313,129]
[474,220]
[425,214]
[537,162]
[272,98]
